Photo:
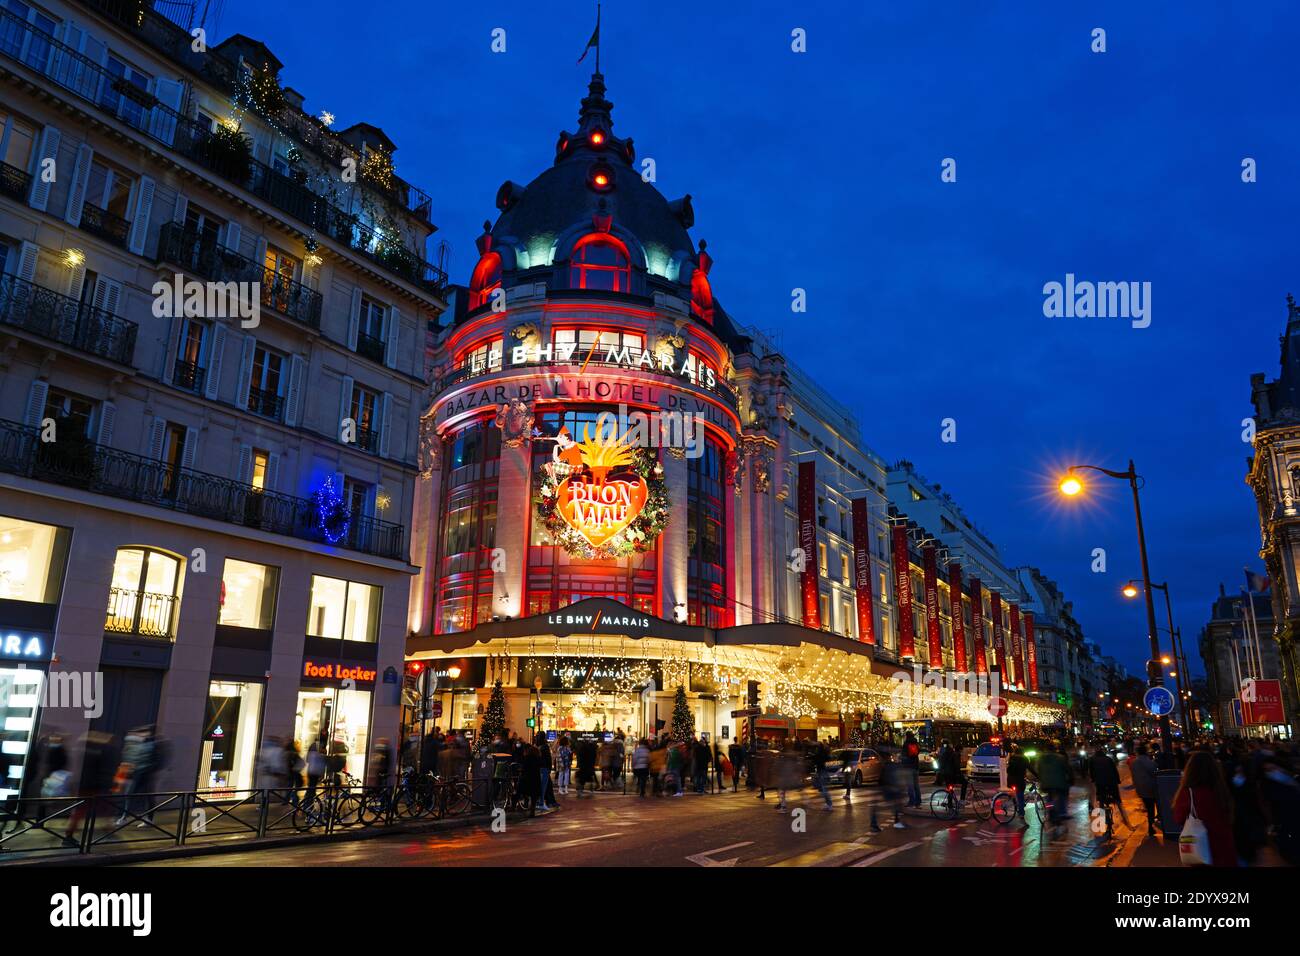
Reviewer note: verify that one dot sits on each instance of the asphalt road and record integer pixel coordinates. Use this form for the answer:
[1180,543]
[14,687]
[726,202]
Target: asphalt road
[725,829]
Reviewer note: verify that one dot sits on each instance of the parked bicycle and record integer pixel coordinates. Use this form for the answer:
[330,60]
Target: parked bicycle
[338,803]
[946,804]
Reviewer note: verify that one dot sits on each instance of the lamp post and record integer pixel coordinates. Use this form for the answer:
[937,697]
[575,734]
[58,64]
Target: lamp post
[1130,590]
[1071,485]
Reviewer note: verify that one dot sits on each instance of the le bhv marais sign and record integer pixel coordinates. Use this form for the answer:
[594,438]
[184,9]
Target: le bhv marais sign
[591,387]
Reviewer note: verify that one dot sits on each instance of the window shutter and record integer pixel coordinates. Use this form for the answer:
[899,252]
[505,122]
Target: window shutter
[354,321]
[76,280]
[394,335]
[272,481]
[40,194]
[36,396]
[156,436]
[182,207]
[345,404]
[172,346]
[340,484]
[191,443]
[162,124]
[27,257]
[259,255]
[217,349]
[244,475]
[140,222]
[77,191]
[108,295]
[385,406]
[231,238]
[297,369]
[246,371]
[107,419]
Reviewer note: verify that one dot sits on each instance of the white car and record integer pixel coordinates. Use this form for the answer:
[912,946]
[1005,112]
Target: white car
[986,760]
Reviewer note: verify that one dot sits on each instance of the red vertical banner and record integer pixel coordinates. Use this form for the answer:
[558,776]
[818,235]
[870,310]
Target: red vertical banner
[930,576]
[1015,646]
[977,626]
[958,618]
[903,590]
[812,612]
[1031,651]
[862,572]
[999,645]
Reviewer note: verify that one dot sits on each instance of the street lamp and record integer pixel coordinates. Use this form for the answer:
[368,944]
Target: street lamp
[1071,485]
[1130,590]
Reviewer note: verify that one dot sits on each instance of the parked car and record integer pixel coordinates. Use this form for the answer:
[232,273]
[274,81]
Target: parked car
[986,760]
[863,763]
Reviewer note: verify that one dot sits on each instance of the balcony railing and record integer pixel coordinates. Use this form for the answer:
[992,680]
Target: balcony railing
[91,83]
[262,402]
[600,357]
[141,613]
[43,312]
[367,439]
[14,182]
[119,474]
[370,347]
[106,225]
[189,376]
[205,258]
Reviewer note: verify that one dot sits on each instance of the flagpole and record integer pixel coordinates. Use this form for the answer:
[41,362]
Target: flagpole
[598,38]
[1257,664]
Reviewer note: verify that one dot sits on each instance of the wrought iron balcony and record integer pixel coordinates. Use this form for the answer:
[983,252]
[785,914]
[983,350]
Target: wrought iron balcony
[141,613]
[14,182]
[266,403]
[370,347]
[106,225]
[92,84]
[50,315]
[189,376]
[205,258]
[367,439]
[119,474]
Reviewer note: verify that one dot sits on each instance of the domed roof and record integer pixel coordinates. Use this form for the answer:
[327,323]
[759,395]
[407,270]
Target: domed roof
[565,198]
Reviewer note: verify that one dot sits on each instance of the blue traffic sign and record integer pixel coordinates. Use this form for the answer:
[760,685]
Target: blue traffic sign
[1158,700]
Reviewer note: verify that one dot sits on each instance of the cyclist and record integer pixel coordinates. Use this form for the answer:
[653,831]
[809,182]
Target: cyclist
[950,772]
[1017,770]
[1105,784]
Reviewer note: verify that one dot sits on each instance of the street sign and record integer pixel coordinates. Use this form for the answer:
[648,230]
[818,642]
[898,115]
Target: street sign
[747,712]
[437,708]
[998,707]
[1159,700]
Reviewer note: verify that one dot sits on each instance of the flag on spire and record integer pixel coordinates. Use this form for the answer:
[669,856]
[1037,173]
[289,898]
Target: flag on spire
[593,42]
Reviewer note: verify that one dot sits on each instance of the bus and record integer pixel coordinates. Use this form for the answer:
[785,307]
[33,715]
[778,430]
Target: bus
[964,735]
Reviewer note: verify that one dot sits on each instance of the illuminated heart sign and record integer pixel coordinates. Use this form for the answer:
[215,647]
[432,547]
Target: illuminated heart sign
[598,510]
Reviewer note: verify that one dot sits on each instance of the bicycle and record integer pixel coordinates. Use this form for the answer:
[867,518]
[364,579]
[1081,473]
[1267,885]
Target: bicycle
[1005,806]
[336,802]
[946,805]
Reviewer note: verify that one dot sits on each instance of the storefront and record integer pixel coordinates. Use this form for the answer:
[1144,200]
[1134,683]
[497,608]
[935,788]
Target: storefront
[334,709]
[228,758]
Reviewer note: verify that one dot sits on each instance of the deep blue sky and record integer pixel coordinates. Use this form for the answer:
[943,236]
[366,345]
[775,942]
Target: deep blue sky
[821,171]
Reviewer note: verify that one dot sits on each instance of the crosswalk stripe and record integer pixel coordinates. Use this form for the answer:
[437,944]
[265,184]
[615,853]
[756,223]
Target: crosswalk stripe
[885,854]
[832,854]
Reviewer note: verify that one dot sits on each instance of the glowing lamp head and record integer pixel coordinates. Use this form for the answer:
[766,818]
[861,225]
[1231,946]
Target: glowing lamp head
[1071,486]
[597,138]
[1130,590]
[602,179]
[453,671]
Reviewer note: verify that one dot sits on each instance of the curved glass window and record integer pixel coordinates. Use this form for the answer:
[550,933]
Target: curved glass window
[706,537]
[468,535]
[600,262]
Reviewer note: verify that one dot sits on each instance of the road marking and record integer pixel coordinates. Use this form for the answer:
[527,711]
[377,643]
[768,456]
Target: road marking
[706,858]
[885,854]
[569,843]
[832,854]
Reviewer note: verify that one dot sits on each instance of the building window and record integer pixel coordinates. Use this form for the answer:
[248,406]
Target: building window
[264,392]
[579,343]
[189,371]
[600,262]
[261,460]
[821,558]
[72,414]
[482,358]
[114,101]
[469,527]
[32,560]
[845,576]
[334,722]
[280,272]
[824,605]
[486,278]
[17,141]
[846,619]
[229,743]
[248,595]
[370,331]
[365,405]
[346,610]
[706,538]
[144,597]
[109,190]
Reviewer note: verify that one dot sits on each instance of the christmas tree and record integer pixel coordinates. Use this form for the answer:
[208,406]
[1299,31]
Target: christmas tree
[880,734]
[683,719]
[494,719]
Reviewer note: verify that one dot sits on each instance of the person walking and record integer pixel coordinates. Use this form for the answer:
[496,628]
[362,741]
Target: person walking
[700,763]
[1203,793]
[1142,770]
[544,768]
[789,771]
[658,767]
[736,754]
[1280,796]
[530,778]
[820,755]
[910,759]
[587,756]
[641,766]
[892,786]
[563,765]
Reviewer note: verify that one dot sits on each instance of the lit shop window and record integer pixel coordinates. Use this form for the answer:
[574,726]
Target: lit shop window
[343,609]
[145,594]
[580,343]
[846,619]
[32,560]
[335,722]
[844,569]
[824,605]
[482,358]
[821,557]
[248,595]
[486,278]
[20,695]
[600,262]
[229,744]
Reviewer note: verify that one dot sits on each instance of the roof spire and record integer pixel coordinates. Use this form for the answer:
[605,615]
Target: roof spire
[594,112]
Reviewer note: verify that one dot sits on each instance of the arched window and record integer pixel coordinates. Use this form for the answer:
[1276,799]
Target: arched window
[144,597]
[702,296]
[600,261]
[486,277]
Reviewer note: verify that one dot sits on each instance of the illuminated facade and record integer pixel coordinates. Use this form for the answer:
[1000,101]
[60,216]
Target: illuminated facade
[623,490]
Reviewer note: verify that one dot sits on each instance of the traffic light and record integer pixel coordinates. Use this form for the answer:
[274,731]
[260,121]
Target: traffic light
[531,722]
[752,693]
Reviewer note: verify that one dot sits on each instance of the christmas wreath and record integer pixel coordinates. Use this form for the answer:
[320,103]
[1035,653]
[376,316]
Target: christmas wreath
[640,534]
